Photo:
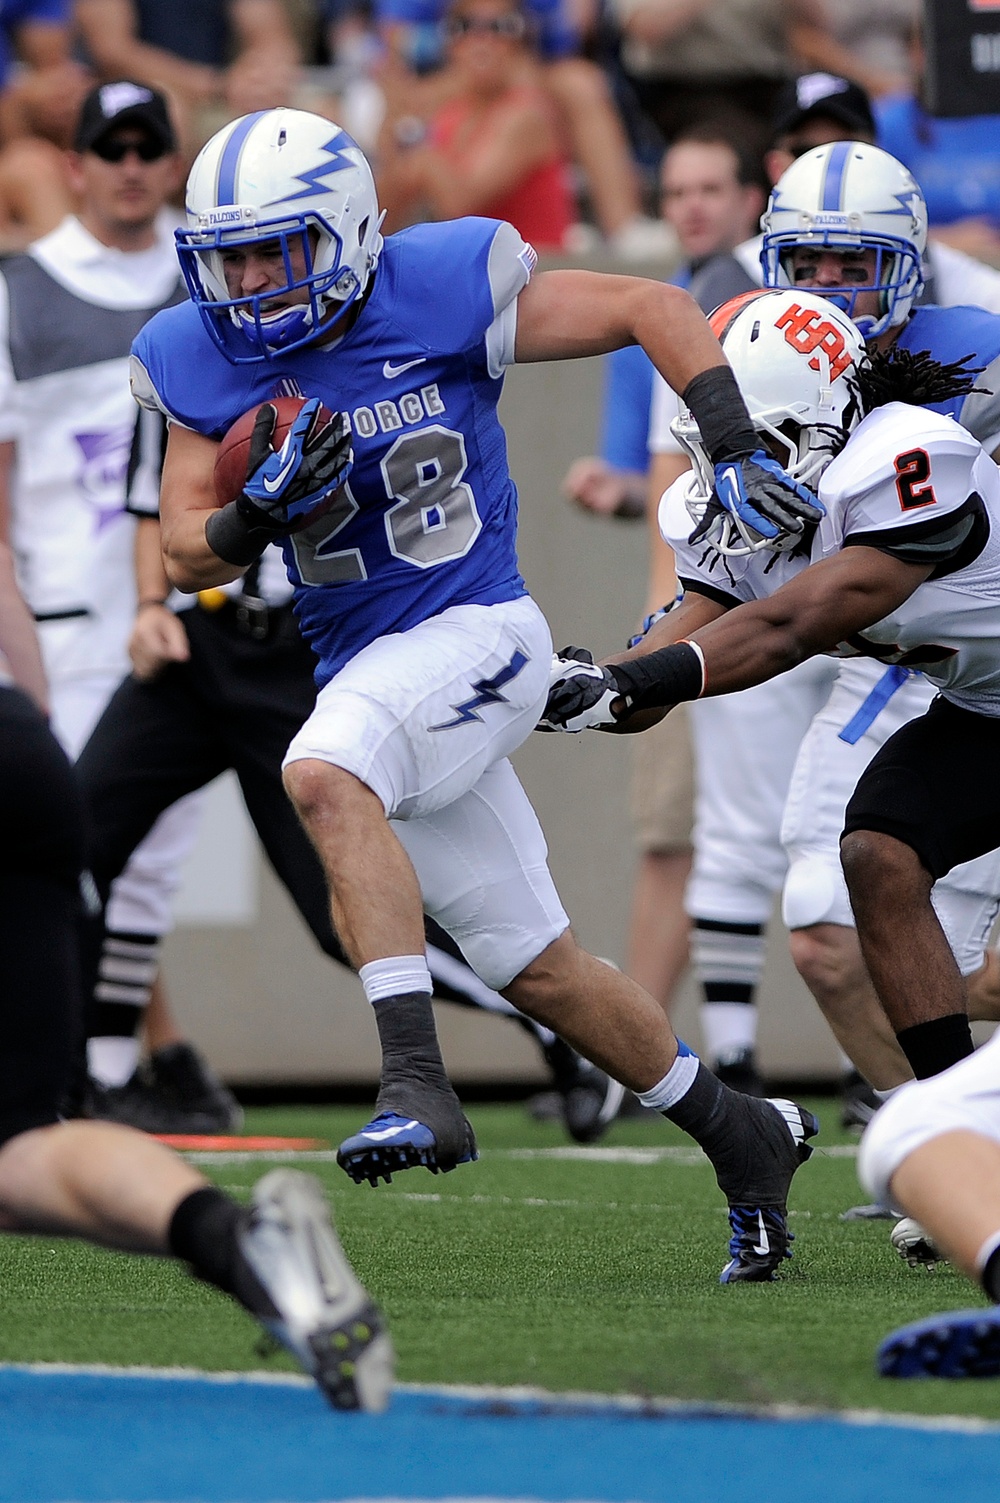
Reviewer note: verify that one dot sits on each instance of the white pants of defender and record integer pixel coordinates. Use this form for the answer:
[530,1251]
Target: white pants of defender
[965,1098]
[426,718]
[826,773]
[141,897]
[745,746]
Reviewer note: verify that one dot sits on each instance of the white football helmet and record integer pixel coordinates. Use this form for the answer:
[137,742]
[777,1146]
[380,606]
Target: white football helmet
[794,355]
[300,182]
[840,197]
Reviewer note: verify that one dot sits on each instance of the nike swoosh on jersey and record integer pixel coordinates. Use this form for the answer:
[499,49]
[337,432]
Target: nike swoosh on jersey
[272,486]
[390,371]
[763,1246]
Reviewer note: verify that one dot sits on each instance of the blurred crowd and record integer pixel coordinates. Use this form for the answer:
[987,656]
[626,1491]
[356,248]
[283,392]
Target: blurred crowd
[553,114]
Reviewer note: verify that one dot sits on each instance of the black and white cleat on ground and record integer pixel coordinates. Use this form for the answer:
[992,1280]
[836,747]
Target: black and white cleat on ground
[958,1344]
[298,1283]
[775,1140]
[915,1245]
[392,1141]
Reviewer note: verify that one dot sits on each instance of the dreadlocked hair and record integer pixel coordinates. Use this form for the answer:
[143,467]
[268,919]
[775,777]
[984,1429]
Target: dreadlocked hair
[913,376]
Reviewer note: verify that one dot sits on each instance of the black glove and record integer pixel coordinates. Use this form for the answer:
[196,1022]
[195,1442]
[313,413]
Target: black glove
[580,693]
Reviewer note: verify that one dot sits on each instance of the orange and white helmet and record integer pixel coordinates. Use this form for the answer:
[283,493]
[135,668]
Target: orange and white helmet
[794,355]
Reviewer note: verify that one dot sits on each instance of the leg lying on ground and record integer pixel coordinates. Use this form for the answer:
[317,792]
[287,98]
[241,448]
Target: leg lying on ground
[934,1153]
[280,1260]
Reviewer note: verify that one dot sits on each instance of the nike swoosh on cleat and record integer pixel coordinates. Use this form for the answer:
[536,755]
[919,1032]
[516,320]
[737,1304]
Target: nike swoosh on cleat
[381,1133]
[763,1246]
[275,485]
[390,371]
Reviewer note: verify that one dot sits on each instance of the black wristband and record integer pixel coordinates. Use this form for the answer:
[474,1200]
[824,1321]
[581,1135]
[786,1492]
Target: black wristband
[717,406]
[232,539]
[665,677]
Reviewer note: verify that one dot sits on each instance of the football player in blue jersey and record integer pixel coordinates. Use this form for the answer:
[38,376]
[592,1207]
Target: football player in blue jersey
[398,525]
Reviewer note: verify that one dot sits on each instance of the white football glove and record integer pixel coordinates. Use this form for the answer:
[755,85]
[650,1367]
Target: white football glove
[580,693]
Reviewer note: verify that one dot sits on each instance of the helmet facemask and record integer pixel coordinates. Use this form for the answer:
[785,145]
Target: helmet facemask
[897,279]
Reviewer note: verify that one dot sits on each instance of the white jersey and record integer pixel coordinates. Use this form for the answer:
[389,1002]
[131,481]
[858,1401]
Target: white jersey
[914,484]
[69,310]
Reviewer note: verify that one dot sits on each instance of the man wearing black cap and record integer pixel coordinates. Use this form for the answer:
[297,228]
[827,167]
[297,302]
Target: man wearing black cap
[69,309]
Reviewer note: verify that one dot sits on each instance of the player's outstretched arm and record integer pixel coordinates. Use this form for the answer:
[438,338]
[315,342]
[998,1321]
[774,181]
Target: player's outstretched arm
[824,605]
[187,500]
[562,315]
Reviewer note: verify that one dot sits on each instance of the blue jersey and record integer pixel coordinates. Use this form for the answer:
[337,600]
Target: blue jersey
[427,519]
[949,334]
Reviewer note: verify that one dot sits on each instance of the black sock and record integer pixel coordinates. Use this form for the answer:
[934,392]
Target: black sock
[408,1035]
[716,1118]
[933,1046]
[990,1276]
[203,1234]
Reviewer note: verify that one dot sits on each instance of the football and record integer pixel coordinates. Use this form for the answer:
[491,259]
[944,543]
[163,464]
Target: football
[234,451]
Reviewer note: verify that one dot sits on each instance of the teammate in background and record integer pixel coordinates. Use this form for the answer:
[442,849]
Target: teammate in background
[711,196]
[109,1185]
[434,662]
[899,562]
[740,860]
[71,307]
[224,680]
[933,1152]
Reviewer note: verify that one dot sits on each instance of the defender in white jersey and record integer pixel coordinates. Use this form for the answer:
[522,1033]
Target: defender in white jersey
[903,566]
[834,226]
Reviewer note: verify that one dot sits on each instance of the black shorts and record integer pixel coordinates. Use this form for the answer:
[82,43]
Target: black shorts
[41,837]
[935,786]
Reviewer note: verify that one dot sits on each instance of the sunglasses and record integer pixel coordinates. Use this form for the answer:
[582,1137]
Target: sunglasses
[511,26]
[115,149]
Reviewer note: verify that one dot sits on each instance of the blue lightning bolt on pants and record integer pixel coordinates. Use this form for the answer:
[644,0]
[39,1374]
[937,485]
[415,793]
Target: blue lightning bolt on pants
[426,718]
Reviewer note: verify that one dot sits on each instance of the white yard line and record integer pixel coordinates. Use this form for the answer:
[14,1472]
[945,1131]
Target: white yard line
[567,1403]
[573,1154]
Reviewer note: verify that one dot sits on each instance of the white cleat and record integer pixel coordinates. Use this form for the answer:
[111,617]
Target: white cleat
[318,1308]
[915,1245]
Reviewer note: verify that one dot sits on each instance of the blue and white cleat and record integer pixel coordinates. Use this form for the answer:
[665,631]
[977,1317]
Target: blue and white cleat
[759,1245]
[958,1344]
[775,1136]
[391,1142]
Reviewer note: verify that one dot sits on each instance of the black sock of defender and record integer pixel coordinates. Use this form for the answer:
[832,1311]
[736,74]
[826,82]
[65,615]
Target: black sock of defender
[202,1233]
[936,1045]
[750,1145]
[990,1276]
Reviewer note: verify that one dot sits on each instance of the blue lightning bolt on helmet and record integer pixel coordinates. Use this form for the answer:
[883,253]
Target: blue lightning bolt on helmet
[301,184]
[842,197]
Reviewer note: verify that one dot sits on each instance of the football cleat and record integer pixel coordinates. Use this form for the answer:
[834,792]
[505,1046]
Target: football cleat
[776,1137]
[915,1245]
[392,1141]
[759,1244]
[590,1107]
[304,1292]
[858,1102]
[958,1344]
[738,1070]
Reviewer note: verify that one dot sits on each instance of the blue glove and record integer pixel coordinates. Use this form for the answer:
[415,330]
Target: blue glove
[286,490]
[770,509]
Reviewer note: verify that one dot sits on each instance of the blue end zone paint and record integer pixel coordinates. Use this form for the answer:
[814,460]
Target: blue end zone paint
[94,1438]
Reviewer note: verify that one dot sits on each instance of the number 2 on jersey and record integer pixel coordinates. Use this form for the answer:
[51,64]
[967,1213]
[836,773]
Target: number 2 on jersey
[913,479]
[435,518]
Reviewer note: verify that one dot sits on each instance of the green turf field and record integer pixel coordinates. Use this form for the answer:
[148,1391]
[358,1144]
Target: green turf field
[599,1276]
